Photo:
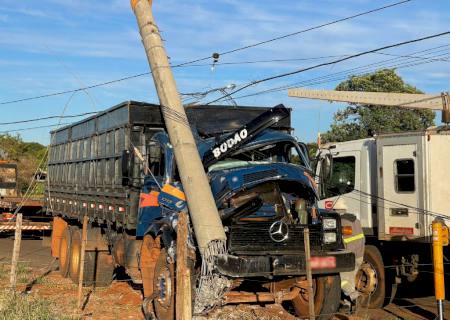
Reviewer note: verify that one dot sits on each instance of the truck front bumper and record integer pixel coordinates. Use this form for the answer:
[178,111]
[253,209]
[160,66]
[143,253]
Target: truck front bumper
[284,265]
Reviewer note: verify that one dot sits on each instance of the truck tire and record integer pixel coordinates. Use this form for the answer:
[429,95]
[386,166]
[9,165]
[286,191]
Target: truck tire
[98,265]
[164,288]
[373,294]
[65,245]
[103,268]
[327,297]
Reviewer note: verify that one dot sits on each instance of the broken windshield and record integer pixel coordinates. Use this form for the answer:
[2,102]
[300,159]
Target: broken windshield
[286,152]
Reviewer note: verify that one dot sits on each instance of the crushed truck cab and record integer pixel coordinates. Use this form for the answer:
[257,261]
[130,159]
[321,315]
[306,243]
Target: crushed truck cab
[262,184]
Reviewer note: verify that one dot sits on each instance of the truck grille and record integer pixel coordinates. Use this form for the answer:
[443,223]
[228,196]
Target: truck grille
[260,175]
[253,238]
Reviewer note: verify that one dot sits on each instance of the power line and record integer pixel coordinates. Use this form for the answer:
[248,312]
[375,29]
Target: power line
[184,64]
[318,80]
[32,128]
[315,27]
[49,117]
[286,74]
[76,90]
[263,61]
[345,73]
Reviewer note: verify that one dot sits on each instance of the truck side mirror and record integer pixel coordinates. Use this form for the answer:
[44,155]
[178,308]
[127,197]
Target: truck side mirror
[126,167]
[326,170]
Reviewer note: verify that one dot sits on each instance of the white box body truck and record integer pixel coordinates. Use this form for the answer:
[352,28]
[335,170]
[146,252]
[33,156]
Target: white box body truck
[396,184]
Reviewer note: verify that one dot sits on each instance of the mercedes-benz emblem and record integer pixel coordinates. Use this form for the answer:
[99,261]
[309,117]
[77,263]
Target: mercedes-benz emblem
[279,231]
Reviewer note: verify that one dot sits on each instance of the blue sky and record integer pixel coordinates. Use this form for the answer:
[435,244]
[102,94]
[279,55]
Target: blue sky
[52,45]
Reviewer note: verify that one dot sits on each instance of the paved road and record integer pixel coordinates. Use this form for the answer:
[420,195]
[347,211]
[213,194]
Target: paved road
[411,303]
[32,251]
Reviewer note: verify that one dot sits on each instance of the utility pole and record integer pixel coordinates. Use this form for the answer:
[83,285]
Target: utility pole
[205,218]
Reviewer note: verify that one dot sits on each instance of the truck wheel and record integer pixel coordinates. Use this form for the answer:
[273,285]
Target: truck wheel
[98,265]
[65,244]
[327,296]
[164,288]
[104,269]
[75,255]
[370,279]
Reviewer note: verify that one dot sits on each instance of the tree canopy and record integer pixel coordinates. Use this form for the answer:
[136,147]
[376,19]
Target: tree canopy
[362,121]
[27,155]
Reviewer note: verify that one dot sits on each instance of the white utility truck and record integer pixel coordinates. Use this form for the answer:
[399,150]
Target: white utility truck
[396,184]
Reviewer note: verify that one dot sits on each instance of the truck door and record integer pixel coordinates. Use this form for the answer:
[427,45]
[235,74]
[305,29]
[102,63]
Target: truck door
[339,192]
[399,193]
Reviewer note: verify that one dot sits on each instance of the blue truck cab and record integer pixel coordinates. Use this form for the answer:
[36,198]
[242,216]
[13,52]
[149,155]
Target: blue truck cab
[262,183]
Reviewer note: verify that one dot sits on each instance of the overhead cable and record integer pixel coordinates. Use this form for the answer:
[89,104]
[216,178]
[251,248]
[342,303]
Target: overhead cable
[208,57]
[333,62]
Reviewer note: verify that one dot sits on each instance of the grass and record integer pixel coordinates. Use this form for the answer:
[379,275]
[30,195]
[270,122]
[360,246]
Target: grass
[23,272]
[20,307]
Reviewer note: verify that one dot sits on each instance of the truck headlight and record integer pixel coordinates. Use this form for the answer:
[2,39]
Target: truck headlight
[329,237]
[329,223]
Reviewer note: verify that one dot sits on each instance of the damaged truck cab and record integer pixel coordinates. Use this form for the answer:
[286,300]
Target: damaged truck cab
[262,184]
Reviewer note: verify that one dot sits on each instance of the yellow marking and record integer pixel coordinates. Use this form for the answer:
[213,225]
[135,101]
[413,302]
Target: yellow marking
[354,238]
[174,192]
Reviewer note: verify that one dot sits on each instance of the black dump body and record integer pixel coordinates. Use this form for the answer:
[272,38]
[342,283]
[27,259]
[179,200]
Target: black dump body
[86,159]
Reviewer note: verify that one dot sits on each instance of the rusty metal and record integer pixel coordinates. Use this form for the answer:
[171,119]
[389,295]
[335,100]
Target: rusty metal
[95,240]
[125,252]
[150,251]
[279,291]
[253,297]
[366,279]
[59,225]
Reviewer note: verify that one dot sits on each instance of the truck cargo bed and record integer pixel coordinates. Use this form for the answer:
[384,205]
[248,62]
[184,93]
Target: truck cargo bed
[87,159]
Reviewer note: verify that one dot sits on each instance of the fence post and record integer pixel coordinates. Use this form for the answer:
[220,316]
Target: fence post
[82,259]
[312,315]
[16,251]
[440,239]
[183,279]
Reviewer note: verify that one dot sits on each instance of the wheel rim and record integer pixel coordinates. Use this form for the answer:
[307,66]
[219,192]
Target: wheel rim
[75,256]
[164,288]
[64,251]
[367,279]
[63,254]
[301,302]
[164,285]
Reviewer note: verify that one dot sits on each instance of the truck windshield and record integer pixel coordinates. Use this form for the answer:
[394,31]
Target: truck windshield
[343,177]
[272,153]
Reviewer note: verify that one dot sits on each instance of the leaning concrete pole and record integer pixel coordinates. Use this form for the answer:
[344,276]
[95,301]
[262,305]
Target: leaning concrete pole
[207,225]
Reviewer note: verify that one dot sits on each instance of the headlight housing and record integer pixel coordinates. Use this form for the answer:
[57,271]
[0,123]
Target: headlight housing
[329,223]
[329,237]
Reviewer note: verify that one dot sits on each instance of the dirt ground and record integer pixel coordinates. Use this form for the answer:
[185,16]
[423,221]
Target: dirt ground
[122,300]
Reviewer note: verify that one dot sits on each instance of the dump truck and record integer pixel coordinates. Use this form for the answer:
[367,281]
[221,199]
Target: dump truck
[118,168]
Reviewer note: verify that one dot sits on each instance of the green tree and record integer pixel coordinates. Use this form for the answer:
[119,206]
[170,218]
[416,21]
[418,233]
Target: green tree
[27,155]
[362,121]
